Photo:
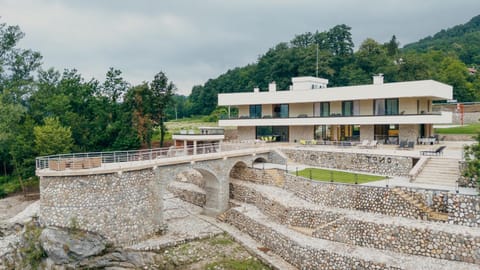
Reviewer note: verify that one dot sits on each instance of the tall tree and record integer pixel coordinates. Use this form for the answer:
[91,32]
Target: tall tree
[52,138]
[162,97]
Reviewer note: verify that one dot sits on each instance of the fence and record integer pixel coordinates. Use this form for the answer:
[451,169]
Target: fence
[96,159]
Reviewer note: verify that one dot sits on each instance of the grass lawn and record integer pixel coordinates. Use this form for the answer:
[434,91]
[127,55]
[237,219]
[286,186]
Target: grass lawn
[466,129]
[342,177]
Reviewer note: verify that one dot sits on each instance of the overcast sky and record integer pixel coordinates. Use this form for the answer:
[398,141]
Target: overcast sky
[193,41]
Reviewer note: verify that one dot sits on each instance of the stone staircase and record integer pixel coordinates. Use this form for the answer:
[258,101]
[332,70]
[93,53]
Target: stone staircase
[430,214]
[439,171]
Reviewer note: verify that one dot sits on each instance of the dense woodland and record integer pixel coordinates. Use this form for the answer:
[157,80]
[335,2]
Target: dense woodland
[46,111]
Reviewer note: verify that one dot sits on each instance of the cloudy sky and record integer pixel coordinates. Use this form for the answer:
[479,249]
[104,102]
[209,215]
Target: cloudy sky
[193,41]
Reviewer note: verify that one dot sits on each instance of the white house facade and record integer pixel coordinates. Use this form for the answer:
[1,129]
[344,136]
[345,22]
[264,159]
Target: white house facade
[386,112]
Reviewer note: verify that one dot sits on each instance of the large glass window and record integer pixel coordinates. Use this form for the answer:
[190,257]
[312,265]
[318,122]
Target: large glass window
[391,106]
[385,106]
[347,108]
[387,134]
[321,109]
[322,132]
[280,111]
[279,133]
[255,111]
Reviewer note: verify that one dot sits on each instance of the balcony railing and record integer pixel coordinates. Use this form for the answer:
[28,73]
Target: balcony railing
[333,115]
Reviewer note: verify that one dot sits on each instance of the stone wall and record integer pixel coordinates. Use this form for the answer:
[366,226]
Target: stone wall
[284,214]
[400,237]
[272,177]
[298,254]
[463,210]
[408,132]
[403,239]
[298,133]
[120,207]
[366,132]
[245,133]
[364,198]
[371,163]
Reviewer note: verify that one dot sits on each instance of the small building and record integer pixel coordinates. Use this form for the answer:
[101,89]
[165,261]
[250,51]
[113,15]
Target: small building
[205,140]
[386,112]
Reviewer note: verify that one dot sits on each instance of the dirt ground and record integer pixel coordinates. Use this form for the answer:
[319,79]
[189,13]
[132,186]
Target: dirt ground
[11,206]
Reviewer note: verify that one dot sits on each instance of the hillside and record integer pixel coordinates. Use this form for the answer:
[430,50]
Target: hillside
[462,39]
[443,57]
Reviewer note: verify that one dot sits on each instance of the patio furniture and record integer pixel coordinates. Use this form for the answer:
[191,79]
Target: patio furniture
[364,144]
[403,144]
[436,152]
[373,144]
[410,145]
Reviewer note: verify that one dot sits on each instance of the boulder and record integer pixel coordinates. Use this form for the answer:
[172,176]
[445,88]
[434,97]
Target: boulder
[65,246]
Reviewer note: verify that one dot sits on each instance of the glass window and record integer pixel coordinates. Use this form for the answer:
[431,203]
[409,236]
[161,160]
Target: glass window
[322,132]
[379,107]
[324,109]
[275,133]
[347,108]
[391,106]
[255,111]
[280,111]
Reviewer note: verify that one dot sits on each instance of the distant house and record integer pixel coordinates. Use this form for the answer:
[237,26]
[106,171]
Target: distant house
[387,112]
[472,71]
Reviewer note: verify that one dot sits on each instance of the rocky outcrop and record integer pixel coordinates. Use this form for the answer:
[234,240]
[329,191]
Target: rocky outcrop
[64,246]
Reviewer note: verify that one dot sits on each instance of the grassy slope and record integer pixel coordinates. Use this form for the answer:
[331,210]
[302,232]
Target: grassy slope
[466,129]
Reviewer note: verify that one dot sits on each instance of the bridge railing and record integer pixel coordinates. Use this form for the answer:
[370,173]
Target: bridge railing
[96,159]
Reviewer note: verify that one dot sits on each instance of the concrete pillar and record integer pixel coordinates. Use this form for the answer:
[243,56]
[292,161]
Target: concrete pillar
[366,132]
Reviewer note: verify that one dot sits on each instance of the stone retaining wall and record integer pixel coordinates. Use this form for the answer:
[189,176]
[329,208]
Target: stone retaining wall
[121,207]
[297,254]
[191,196]
[371,163]
[357,197]
[284,214]
[409,240]
[463,210]
[272,177]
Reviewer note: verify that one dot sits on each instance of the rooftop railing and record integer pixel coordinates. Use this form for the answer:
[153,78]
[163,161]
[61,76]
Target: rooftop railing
[96,159]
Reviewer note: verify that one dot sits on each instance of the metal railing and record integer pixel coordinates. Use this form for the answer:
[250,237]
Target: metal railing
[95,159]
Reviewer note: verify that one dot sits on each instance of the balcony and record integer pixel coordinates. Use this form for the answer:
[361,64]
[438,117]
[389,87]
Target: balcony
[338,119]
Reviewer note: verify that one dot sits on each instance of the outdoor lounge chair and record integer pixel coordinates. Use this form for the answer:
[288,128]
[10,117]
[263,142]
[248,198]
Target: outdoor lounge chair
[373,144]
[403,144]
[364,144]
[436,152]
[410,145]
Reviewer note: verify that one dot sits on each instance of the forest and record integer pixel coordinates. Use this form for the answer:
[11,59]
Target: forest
[47,111]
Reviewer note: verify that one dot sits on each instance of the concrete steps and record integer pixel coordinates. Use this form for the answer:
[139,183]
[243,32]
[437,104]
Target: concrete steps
[430,213]
[439,171]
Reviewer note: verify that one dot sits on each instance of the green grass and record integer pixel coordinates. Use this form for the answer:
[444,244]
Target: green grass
[232,264]
[466,129]
[342,177]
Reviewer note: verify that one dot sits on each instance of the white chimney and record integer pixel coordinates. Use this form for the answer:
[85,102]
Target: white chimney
[272,87]
[256,90]
[378,79]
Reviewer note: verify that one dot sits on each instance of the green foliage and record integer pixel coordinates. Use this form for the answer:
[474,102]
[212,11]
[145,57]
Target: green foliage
[32,252]
[236,264]
[52,138]
[472,158]
[338,176]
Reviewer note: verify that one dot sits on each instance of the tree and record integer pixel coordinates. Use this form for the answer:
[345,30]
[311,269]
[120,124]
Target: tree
[162,96]
[392,46]
[52,138]
[472,158]
[340,40]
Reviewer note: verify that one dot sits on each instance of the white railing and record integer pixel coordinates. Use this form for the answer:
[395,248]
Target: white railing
[95,159]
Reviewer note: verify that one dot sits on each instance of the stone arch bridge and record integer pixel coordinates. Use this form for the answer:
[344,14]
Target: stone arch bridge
[124,201]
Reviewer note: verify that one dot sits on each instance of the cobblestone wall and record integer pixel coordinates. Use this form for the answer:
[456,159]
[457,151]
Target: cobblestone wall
[371,163]
[464,210]
[363,198]
[409,240]
[272,177]
[121,207]
[298,254]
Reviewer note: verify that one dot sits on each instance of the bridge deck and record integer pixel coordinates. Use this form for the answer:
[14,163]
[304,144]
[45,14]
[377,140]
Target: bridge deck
[144,164]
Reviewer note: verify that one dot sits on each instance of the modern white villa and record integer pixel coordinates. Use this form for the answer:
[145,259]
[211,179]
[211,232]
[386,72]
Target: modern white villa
[386,112]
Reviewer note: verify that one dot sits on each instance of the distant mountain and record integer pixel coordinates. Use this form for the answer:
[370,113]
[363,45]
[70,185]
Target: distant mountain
[463,39]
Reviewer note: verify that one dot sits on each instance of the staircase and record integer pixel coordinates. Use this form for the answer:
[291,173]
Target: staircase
[439,171]
[429,213]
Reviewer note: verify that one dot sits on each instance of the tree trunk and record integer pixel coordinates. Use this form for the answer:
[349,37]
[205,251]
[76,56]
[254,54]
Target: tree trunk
[162,131]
